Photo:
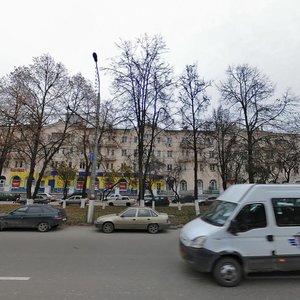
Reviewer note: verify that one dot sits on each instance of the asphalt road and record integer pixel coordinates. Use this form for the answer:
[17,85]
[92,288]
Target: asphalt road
[73,263]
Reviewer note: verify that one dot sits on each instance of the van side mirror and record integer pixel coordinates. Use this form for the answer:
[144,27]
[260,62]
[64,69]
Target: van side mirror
[233,227]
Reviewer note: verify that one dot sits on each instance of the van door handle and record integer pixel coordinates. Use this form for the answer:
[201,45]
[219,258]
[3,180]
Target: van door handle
[270,238]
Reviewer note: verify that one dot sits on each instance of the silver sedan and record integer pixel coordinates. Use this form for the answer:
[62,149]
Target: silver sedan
[134,218]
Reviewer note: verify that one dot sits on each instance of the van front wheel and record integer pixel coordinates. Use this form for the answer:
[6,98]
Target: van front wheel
[228,272]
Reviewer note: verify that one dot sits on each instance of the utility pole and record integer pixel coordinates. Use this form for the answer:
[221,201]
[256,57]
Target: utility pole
[94,154]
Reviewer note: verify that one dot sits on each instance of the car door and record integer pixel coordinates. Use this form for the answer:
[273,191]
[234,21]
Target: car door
[15,219]
[144,218]
[127,219]
[254,237]
[33,216]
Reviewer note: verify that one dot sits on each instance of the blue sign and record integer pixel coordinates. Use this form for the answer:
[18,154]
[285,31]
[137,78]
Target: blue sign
[91,157]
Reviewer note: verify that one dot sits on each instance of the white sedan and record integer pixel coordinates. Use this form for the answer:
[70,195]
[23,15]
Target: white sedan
[143,218]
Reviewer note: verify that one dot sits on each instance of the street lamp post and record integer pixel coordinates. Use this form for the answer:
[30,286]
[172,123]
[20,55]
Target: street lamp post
[94,154]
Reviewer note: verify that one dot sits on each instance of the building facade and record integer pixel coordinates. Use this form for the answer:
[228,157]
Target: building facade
[118,148]
[118,160]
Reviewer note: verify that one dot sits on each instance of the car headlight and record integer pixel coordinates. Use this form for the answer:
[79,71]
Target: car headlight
[198,242]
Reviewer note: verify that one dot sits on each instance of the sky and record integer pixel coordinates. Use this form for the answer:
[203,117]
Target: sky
[214,34]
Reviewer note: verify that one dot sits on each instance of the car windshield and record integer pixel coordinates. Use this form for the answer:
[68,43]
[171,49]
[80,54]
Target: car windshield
[218,212]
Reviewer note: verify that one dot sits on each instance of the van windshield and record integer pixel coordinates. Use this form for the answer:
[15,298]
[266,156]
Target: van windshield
[218,212]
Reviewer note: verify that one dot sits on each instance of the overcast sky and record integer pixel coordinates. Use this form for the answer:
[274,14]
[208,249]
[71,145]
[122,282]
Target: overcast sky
[213,33]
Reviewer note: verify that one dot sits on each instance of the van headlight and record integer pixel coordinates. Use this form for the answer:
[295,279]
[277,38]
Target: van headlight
[198,242]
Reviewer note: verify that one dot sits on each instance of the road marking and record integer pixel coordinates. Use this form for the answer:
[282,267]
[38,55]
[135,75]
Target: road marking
[14,278]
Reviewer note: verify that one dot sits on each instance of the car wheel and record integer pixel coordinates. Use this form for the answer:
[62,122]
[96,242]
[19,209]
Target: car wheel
[43,227]
[108,227]
[110,204]
[228,272]
[128,204]
[153,228]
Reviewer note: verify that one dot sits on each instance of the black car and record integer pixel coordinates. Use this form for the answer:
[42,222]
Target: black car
[185,199]
[159,201]
[9,196]
[40,216]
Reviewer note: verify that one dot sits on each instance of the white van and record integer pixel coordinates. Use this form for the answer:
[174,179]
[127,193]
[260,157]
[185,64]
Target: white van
[249,228]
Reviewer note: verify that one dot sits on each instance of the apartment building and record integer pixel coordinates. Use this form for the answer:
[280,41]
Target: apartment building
[118,147]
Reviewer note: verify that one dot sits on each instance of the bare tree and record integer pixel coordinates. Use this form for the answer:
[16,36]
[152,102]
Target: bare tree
[249,94]
[173,178]
[48,92]
[85,117]
[142,82]
[11,96]
[224,132]
[194,104]
[286,154]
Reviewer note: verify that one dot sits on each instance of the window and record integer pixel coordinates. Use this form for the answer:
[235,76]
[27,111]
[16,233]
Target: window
[35,210]
[287,211]
[169,140]
[124,152]
[124,139]
[158,139]
[158,153]
[80,182]
[158,186]
[18,164]
[144,213]
[82,165]
[20,211]
[212,167]
[130,213]
[112,152]
[200,184]
[2,181]
[147,137]
[170,153]
[153,214]
[211,154]
[135,139]
[183,185]
[70,164]
[251,216]
[169,167]
[15,183]
[213,185]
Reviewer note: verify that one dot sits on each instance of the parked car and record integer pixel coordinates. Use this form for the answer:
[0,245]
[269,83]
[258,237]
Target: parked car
[185,199]
[49,196]
[9,196]
[75,194]
[42,217]
[39,199]
[159,201]
[73,200]
[121,201]
[143,218]
[202,199]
